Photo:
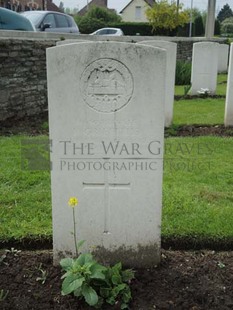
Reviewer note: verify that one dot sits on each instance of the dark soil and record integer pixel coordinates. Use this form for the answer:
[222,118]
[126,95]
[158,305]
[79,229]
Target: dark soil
[35,125]
[183,280]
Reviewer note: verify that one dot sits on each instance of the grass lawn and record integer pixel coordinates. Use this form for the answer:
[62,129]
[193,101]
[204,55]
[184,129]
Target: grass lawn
[197,191]
[25,203]
[198,187]
[199,111]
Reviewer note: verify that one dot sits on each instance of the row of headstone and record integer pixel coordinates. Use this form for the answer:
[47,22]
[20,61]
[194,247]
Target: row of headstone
[208,60]
[107,104]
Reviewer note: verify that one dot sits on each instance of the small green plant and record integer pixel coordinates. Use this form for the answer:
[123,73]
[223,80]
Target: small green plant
[183,73]
[80,276]
[3,295]
[115,287]
[86,278]
[43,276]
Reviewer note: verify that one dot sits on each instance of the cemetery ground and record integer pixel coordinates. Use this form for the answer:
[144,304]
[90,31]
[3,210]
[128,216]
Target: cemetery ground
[196,270]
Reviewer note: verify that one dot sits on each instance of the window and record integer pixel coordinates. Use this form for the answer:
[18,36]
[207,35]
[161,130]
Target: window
[111,31]
[62,21]
[103,31]
[138,12]
[49,19]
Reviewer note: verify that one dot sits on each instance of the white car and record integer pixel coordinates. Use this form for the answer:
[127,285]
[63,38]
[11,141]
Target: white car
[108,32]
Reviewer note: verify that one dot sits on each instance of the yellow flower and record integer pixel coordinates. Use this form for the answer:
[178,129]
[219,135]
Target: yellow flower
[73,201]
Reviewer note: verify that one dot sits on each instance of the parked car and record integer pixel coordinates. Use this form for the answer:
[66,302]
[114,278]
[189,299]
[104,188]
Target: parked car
[52,21]
[108,32]
[10,20]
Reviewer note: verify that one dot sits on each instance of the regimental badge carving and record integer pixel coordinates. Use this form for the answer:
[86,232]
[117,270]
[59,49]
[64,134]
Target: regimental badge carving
[106,85]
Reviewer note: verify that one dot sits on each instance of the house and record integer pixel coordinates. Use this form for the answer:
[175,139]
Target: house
[101,3]
[135,10]
[29,5]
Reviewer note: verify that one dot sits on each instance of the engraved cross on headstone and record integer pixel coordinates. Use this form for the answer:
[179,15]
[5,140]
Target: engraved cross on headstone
[106,186]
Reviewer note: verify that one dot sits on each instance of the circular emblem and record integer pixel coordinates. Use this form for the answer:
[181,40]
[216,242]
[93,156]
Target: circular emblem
[106,85]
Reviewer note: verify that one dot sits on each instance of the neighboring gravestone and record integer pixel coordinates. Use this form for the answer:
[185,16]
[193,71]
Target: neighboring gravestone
[171,49]
[204,67]
[223,54]
[106,120]
[228,121]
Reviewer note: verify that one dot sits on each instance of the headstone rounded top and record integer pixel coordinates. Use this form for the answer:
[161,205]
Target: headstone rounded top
[106,85]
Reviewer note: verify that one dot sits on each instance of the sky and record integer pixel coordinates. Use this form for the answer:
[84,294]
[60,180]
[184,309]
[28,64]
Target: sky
[120,4]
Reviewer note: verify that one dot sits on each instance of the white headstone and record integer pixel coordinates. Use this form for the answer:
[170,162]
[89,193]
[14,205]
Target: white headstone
[106,122]
[204,67]
[171,49]
[228,120]
[223,54]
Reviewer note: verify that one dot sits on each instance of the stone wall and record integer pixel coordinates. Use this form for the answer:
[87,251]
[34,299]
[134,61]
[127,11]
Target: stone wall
[184,50]
[23,84]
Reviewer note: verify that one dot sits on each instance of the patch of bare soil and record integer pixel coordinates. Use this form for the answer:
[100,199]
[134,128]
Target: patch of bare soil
[204,130]
[184,280]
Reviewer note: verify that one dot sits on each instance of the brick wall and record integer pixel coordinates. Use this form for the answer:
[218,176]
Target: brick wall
[23,85]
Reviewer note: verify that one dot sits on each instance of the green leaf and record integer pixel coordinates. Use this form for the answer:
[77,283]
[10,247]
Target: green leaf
[116,279]
[97,271]
[66,263]
[121,287]
[111,300]
[78,292]
[116,290]
[71,283]
[126,295]
[117,268]
[68,273]
[84,259]
[124,306]
[127,275]
[90,295]
[105,292]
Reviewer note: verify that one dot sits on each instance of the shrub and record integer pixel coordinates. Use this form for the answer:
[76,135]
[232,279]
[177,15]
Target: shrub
[103,14]
[199,26]
[88,24]
[96,18]
[227,28]
[183,73]
[132,29]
